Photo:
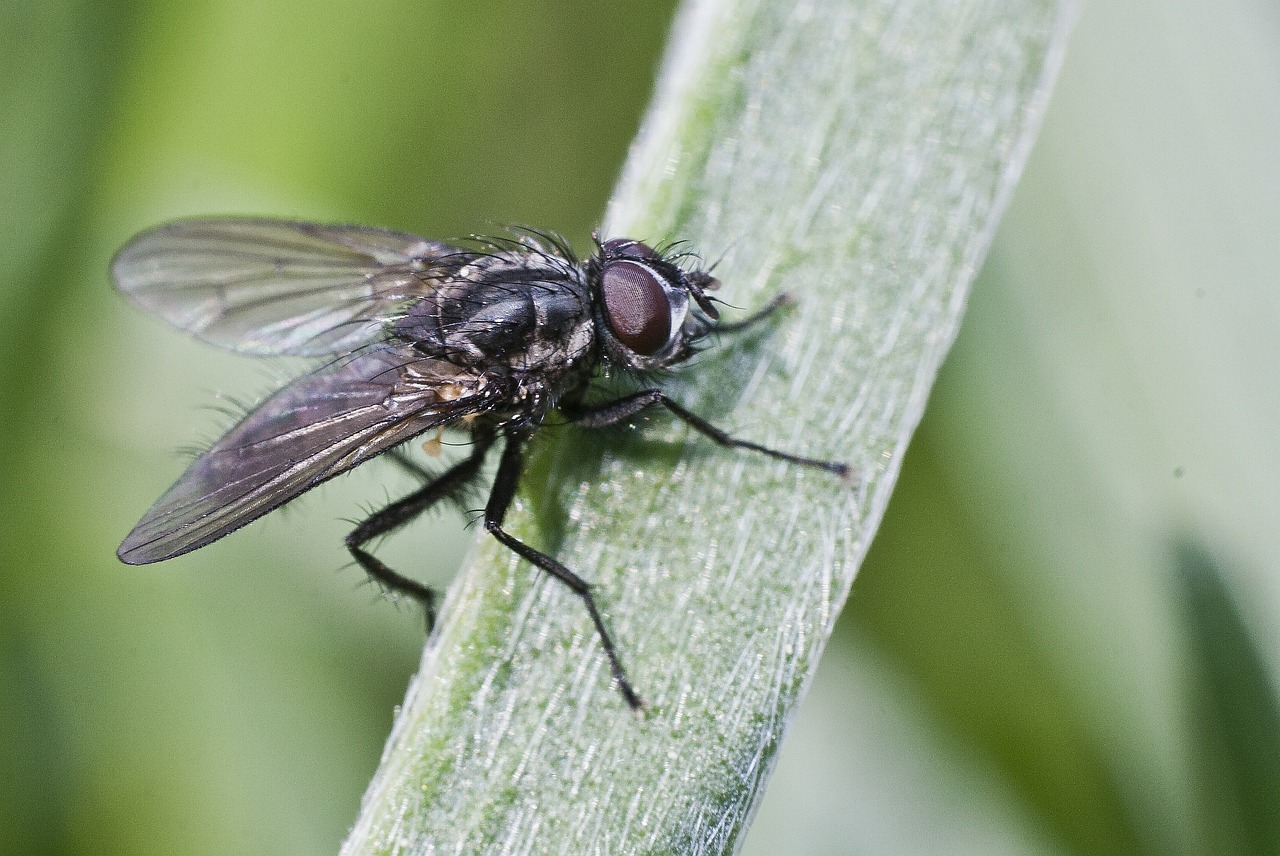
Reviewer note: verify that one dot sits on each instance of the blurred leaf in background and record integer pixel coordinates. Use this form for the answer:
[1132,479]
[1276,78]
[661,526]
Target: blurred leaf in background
[1018,671]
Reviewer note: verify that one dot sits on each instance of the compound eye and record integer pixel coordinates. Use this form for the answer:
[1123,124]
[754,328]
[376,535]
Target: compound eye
[636,307]
[628,247]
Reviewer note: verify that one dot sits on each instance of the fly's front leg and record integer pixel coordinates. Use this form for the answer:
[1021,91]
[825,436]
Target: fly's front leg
[622,409]
[402,511]
[504,491]
[771,307]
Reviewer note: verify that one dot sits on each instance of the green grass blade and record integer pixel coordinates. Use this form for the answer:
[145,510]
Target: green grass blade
[856,155]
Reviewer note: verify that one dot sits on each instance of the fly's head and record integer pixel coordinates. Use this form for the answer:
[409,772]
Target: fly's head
[649,312]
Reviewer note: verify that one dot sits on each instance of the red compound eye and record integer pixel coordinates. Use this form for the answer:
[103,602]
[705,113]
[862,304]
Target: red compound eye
[628,247]
[636,306]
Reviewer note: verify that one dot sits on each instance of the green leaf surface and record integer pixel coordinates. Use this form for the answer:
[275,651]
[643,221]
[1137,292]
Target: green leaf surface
[856,155]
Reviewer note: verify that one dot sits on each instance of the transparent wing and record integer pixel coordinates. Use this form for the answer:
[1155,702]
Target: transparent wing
[317,427]
[277,286]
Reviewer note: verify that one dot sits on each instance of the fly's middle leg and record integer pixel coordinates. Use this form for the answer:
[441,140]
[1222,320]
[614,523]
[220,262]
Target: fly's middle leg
[504,490]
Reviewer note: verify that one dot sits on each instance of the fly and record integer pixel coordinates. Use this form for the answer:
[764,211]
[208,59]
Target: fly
[417,335]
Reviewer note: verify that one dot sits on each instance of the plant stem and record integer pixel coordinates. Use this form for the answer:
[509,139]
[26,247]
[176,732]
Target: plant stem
[857,155]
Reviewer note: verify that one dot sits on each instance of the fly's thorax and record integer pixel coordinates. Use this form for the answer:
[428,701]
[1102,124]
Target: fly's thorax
[526,312]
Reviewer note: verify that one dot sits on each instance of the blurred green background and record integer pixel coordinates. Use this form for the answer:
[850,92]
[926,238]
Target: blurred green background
[1065,639]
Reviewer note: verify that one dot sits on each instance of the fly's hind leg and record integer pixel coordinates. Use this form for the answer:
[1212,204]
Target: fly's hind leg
[402,511]
[401,459]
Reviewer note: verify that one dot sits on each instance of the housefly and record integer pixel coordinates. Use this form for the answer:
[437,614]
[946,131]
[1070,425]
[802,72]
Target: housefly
[416,335]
